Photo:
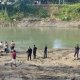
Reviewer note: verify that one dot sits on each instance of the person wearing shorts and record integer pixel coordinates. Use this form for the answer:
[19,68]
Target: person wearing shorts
[13,62]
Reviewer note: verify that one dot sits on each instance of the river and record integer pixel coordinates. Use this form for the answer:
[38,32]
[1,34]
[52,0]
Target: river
[52,37]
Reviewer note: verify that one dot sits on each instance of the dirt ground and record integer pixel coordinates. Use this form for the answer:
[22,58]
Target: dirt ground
[60,65]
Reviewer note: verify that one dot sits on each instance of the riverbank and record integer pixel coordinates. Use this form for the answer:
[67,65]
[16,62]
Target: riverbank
[60,65]
[49,23]
[42,23]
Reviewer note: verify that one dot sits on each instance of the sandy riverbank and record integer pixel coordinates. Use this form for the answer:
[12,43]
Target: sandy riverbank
[42,23]
[49,23]
[60,65]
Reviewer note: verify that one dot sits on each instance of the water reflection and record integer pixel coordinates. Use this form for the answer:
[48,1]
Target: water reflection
[57,43]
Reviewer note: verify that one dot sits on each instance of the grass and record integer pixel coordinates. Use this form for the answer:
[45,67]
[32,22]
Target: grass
[64,12]
[68,12]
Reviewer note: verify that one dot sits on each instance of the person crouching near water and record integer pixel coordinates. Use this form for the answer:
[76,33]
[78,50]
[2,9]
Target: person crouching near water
[29,53]
[77,51]
[13,55]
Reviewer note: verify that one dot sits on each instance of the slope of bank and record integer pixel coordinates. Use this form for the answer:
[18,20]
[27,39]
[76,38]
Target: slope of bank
[41,23]
[49,23]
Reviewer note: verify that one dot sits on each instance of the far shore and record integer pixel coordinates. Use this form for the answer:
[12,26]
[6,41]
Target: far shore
[42,23]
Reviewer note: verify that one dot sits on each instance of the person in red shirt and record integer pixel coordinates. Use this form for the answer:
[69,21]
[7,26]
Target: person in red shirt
[13,54]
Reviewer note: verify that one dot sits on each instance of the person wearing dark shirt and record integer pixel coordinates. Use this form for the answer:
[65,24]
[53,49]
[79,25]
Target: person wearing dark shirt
[29,53]
[34,51]
[45,52]
[77,51]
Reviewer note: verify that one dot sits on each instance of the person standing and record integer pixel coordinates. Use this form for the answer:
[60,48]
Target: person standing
[45,52]
[34,51]
[12,45]
[1,46]
[6,50]
[13,62]
[77,51]
[29,53]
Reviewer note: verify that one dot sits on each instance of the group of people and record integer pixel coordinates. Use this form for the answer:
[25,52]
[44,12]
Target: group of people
[34,50]
[5,47]
[29,54]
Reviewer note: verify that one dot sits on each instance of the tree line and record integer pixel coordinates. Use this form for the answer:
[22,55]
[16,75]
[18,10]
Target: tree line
[22,8]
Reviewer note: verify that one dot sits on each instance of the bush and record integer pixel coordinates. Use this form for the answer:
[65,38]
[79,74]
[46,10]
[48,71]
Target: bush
[17,16]
[43,13]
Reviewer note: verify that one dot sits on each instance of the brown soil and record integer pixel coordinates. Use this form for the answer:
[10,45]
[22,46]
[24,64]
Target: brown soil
[60,65]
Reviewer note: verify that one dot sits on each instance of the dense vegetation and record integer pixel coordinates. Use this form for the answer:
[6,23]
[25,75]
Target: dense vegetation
[19,9]
[66,12]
